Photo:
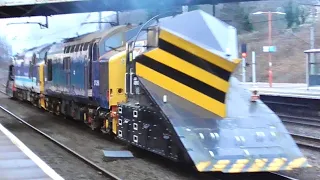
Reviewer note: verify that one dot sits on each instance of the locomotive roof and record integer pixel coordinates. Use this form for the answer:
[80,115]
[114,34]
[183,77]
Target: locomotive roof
[42,47]
[66,40]
[38,49]
[56,48]
[93,35]
[88,37]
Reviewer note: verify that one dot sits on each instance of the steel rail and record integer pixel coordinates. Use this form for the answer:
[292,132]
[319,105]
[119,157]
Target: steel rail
[283,176]
[309,139]
[300,120]
[301,123]
[310,119]
[284,103]
[87,161]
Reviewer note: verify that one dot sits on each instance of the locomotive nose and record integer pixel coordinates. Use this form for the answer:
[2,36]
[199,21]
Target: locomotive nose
[248,150]
[213,121]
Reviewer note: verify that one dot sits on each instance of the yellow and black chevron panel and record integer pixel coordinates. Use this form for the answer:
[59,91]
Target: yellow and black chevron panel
[197,55]
[189,71]
[252,165]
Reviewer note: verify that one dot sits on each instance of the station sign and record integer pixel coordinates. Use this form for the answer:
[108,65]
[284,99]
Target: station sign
[269,49]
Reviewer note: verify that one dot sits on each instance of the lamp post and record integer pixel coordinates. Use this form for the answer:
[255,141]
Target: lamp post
[269,39]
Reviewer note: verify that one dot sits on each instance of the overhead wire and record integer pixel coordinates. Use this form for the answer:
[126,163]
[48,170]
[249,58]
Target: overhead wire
[77,26]
[225,20]
[68,28]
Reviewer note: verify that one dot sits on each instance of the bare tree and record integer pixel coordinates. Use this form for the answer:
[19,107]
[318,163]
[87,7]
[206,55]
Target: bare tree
[5,49]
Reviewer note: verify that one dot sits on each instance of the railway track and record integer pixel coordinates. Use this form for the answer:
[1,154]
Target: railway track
[305,121]
[110,175]
[303,140]
[87,161]
[307,141]
[301,109]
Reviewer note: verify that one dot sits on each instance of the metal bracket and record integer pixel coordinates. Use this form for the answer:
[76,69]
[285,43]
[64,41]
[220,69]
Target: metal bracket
[111,23]
[42,26]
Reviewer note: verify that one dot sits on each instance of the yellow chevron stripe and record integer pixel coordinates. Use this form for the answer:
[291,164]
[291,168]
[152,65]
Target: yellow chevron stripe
[276,164]
[297,162]
[288,168]
[189,69]
[242,161]
[223,162]
[198,51]
[257,165]
[238,166]
[236,61]
[181,90]
[220,165]
[202,165]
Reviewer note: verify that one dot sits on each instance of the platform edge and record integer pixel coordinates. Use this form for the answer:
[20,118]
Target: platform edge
[41,164]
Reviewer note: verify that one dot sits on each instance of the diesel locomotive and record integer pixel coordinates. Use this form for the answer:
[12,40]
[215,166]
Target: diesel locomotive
[166,87]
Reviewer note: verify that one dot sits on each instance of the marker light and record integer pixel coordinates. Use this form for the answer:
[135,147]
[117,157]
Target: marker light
[255,96]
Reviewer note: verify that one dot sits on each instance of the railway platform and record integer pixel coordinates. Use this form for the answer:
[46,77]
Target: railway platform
[17,161]
[297,90]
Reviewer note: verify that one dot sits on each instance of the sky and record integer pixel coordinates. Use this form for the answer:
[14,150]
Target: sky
[22,36]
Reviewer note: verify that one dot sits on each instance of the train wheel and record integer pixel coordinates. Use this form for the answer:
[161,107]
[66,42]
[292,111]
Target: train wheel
[33,100]
[107,124]
[96,124]
[57,111]
[51,107]
[39,103]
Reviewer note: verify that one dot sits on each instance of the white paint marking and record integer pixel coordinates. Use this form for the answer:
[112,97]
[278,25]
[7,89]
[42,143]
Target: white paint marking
[211,153]
[201,135]
[164,98]
[47,169]
[247,152]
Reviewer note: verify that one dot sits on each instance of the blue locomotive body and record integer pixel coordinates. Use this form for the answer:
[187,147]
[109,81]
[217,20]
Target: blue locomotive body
[76,68]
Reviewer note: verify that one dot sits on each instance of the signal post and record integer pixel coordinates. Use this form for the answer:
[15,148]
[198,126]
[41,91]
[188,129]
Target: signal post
[244,56]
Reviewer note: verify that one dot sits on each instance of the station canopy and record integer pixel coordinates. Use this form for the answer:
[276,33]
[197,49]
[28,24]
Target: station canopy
[26,8]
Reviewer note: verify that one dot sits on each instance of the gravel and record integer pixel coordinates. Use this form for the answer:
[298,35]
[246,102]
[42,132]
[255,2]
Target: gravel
[58,159]
[312,156]
[312,173]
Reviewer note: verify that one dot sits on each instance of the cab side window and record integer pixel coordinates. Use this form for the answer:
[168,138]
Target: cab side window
[11,74]
[113,42]
[49,69]
[85,46]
